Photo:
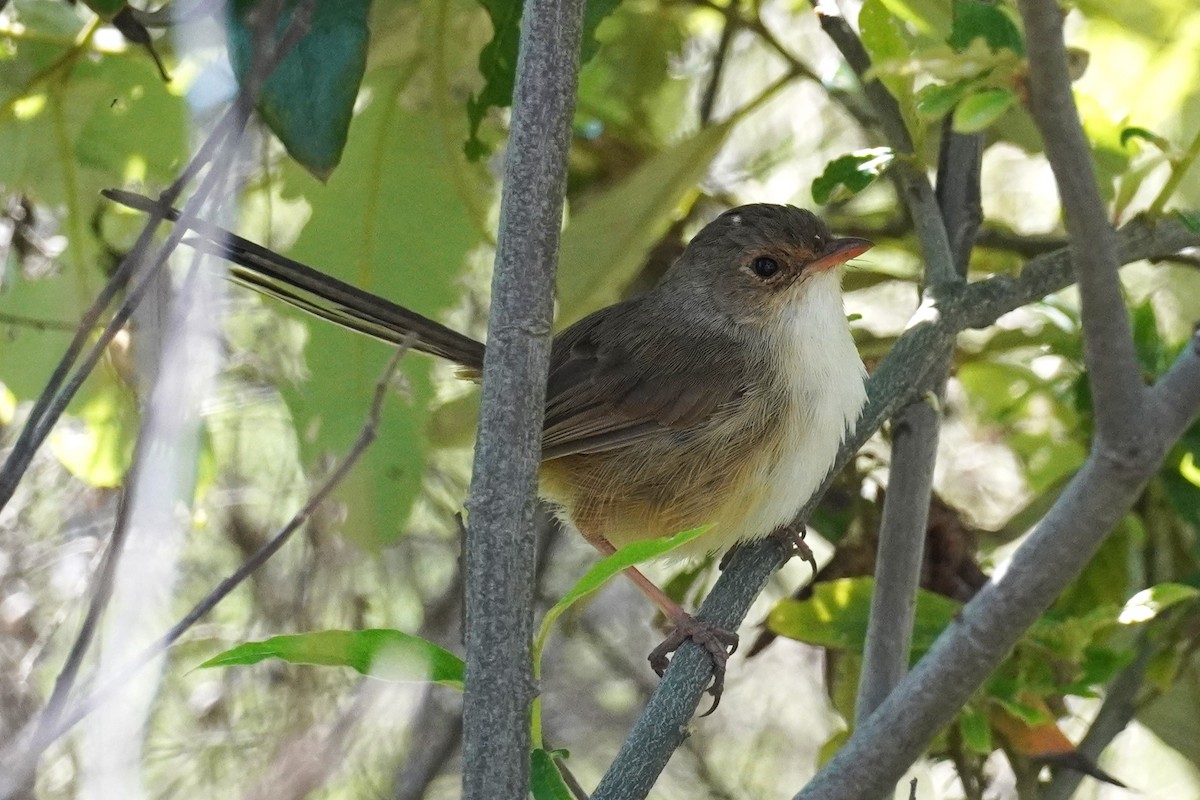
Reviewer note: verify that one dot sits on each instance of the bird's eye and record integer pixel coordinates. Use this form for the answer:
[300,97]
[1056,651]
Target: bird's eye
[764,267]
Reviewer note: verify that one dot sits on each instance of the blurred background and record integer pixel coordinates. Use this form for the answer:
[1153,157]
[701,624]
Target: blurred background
[686,107]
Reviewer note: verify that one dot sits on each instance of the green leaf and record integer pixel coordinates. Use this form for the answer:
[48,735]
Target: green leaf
[498,61]
[1149,603]
[98,447]
[937,100]
[1190,220]
[848,175]
[977,111]
[600,573]
[930,17]
[308,100]
[836,615]
[976,20]
[976,730]
[389,221]
[545,781]
[1129,134]
[606,242]
[887,40]
[380,653]
[605,570]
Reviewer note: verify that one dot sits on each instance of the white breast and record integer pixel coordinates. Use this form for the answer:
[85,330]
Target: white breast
[825,375]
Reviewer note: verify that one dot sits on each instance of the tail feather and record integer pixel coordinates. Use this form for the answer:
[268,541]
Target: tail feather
[319,294]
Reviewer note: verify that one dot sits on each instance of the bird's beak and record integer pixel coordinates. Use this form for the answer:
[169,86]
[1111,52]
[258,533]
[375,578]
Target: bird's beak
[839,251]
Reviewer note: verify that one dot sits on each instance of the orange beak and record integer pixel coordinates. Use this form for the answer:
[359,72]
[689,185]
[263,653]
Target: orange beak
[839,251]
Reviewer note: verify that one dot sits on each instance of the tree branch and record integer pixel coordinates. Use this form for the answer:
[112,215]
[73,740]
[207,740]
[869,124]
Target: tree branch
[500,543]
[1113,374]
[914,445]
[967,652]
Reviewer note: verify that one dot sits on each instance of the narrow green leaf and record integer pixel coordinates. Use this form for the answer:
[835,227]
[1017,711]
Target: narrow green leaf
[308,100]
[848,175]
[1190,220]
[602,572]
[836,616]
[1128,134]
[1149,603]
[606,568]
[545,781]
[380,653]
[976,20]
[977,111]
[606,242]
[498,61]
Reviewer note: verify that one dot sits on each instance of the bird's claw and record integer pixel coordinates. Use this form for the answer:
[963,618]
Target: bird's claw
[791,539]
[719,643]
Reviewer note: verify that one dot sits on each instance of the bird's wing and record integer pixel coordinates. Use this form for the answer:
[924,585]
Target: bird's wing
[617,379]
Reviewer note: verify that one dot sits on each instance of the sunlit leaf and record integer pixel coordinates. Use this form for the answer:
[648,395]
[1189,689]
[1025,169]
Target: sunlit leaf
[930,17]
[97,447]
[1149,603]
[8,405]
[886,40]
[836,616]
[937,100]
[848,175]
[380,653]
[308,100]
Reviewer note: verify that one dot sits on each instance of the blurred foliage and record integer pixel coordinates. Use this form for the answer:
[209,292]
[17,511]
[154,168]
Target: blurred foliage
[407,215]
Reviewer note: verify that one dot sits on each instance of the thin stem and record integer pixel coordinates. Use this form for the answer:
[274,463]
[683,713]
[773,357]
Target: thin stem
[1179,168]
[51,729]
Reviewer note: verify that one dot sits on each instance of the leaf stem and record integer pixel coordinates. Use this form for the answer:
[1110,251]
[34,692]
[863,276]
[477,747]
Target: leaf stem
[1179,168]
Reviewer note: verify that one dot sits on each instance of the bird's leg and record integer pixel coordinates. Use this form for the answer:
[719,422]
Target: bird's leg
[719,643]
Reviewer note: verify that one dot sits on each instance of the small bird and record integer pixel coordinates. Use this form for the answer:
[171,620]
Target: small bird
[718,398]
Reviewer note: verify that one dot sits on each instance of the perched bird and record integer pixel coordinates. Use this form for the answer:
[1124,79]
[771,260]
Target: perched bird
[718,398]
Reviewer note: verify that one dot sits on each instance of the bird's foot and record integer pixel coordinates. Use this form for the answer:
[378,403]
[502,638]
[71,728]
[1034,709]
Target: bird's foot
[791,539]
[719,643]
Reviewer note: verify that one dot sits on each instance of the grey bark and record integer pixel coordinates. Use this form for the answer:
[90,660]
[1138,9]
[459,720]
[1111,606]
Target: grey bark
[499,556]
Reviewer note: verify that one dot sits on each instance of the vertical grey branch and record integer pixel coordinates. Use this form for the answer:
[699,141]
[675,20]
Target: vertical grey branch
[1113,375]
[500,538]
[914,442]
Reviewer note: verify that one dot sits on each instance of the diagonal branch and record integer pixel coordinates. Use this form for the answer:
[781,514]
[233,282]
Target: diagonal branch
[967,652]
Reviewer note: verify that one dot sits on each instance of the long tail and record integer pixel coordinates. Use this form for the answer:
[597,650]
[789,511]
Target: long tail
[319,294]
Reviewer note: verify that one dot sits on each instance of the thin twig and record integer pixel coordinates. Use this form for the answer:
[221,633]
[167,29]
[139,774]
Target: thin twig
[46,736]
